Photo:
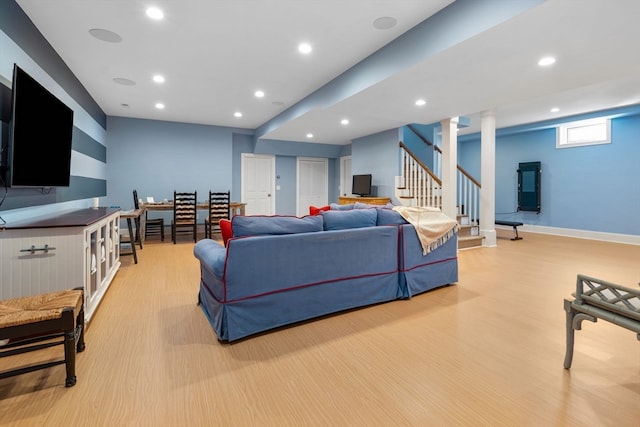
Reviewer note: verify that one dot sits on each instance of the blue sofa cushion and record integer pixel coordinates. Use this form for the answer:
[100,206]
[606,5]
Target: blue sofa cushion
[338,207]
[355,218]
[260,225]
[360,205]
[390,217]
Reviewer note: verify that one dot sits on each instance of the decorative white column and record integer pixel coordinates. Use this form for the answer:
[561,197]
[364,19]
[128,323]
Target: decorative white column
[488,178]
[449,166]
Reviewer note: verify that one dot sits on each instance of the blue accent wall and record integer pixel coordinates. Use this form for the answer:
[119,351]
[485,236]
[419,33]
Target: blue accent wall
[591,188]
[378,155]
[156,157]
[417,146]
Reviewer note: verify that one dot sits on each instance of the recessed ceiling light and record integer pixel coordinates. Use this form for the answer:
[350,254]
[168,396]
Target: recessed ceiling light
[105,35]
[158,78]
[124,105]
[344,121]
[421,102]
[305,48]
[555,110]
[259,94]
[384,23]
[123,81]
[309,135]
[546,61]
[154,13]
[237,114]
[159,105]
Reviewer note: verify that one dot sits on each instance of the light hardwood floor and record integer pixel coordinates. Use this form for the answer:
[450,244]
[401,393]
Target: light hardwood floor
[487,351]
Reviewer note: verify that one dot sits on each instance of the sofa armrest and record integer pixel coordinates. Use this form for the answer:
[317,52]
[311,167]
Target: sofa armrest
[212,256]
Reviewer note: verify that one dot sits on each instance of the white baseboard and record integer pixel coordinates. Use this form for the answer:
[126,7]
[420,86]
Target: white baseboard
[579,234]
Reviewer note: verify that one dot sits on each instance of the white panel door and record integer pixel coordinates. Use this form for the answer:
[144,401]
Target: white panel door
[258,181]
[312,183]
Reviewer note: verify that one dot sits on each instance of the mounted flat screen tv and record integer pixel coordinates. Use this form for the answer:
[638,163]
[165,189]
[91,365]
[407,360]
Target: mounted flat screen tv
[361,185]
[40,133]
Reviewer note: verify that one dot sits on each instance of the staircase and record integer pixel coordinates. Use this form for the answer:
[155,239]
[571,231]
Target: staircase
[468,233]
[419,186]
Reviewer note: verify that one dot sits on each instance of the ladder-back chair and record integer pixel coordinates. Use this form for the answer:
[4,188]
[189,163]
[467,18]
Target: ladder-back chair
[218,209]
[184,215]
[152,226]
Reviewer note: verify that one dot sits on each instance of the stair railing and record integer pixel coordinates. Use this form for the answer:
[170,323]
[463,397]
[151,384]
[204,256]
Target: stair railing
[468,195]
[421,187]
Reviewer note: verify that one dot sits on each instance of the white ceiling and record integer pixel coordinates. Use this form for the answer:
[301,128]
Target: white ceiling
[216,53]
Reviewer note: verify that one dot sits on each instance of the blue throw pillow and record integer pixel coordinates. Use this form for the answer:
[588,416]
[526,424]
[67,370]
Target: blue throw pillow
[360,205]
[355,218]
[337,207]
[259,225]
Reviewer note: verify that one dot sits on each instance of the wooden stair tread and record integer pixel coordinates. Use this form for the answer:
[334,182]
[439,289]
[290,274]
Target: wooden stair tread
[465,242]
[470,238]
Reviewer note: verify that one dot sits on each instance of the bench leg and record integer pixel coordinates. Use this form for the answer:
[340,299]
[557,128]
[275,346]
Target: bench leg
[70,357]
[568,356]
[80,327]
[73,342]
[573,323]
[515,232]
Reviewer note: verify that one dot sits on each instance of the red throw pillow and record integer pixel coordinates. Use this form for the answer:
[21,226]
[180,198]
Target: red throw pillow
[313,210]
[225,230]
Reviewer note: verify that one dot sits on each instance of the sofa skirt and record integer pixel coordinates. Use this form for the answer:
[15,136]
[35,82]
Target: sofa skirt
[420,273]
[238,319]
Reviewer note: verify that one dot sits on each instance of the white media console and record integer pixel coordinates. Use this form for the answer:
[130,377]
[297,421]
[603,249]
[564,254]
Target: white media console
[78,248]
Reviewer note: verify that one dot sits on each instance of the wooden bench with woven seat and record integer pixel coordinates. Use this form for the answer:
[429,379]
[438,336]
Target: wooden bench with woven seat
[36,322]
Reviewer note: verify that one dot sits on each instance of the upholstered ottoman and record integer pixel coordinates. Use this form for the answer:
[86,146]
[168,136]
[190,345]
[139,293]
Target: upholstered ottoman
[37,322]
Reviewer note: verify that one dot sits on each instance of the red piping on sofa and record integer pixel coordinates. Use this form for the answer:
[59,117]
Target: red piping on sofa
[225,301]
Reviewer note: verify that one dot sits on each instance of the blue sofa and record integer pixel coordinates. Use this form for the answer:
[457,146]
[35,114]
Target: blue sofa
[280,270]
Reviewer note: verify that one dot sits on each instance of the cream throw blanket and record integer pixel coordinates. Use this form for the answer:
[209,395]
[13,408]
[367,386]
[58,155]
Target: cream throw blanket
[432,226]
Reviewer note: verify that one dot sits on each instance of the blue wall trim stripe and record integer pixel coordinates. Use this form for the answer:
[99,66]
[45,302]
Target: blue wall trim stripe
[83,143]
[80,188]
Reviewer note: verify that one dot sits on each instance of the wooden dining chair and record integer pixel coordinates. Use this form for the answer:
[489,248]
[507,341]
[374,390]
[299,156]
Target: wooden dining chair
[184,215]
[219,205]
[152,226]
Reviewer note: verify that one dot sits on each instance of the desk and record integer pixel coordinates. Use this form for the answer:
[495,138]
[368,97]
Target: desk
[235,208]
[135,215]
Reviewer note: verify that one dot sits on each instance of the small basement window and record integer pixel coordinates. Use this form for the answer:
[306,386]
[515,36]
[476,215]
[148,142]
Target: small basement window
[584,132]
